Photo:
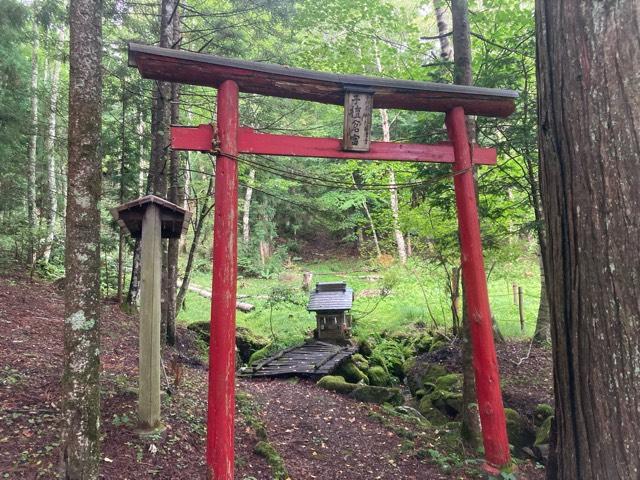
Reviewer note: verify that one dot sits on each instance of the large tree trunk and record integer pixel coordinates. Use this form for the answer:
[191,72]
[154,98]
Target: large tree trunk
[446,53]
[158,170]
[121,193]
[80,449]
[393,189]
[247,207]
[589,113]
[175,196]
[133,294]
[463,76]
[49,150]
[33,143]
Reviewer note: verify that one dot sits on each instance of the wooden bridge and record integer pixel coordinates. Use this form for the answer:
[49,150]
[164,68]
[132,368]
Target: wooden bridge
[313,359]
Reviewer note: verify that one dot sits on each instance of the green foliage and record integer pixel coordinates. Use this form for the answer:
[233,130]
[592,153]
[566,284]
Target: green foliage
[251,265]
[391,355]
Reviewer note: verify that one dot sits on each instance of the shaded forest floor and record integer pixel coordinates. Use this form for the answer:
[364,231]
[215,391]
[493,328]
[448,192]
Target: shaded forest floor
[315,434]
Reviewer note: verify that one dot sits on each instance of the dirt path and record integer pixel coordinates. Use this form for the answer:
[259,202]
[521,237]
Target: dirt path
[319,434]
[328,436]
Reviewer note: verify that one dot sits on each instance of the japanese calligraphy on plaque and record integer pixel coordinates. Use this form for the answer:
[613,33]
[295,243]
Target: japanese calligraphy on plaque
[358,104]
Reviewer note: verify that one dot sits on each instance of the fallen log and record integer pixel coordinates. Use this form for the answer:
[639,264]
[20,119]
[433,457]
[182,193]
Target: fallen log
[242,306]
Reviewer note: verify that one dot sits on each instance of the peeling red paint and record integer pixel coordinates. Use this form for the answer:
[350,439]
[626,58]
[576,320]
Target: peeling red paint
[492,418]
[221,396]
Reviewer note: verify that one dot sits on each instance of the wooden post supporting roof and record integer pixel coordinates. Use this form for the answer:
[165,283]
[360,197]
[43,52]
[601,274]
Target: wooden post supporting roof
[149,335]
[233,76]
[150,218]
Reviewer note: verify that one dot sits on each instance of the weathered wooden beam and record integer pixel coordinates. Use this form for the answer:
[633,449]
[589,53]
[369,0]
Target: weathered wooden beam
[280,81]
[201,138]
[149,336]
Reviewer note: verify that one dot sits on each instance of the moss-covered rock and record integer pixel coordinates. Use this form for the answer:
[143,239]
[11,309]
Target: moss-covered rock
[542,412]
[435,416]
[420,374]
[336,383]
[380,395]
[201,328]
[520,433]
[352,373]
[365,347]
[422,343]
[379,377]
[449,403]
[450,381]
[543,432]
[261,354]
[361,362]
[249,342]
[408,365]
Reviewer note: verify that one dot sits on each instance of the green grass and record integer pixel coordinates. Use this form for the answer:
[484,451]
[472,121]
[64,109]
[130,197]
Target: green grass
[417,293]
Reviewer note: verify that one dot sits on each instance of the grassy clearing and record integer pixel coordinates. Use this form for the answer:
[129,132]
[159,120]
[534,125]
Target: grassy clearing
[417,293]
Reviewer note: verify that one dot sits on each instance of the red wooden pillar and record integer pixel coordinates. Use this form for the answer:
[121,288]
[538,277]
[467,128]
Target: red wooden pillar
[221,399]
[485,364]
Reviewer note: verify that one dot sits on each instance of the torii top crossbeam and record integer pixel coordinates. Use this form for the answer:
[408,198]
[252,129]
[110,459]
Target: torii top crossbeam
[227,139]
[278,81]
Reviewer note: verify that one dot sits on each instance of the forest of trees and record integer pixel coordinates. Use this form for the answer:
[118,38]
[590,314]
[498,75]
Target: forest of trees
[82,133]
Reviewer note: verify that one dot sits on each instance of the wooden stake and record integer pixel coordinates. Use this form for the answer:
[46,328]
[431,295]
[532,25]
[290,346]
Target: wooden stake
[521,308]
[515,293]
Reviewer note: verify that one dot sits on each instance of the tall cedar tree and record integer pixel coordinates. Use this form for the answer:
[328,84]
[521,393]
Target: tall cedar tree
[80,383]
[589,113]
[463,76]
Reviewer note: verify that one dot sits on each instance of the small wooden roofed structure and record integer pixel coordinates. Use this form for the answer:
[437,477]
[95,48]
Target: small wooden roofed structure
[330,297]
[279,81]
[174,219]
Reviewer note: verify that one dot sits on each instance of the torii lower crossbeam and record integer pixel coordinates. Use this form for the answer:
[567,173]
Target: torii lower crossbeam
[203,138]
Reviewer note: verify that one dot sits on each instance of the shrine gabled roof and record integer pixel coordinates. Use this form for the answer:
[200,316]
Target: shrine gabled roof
[330,297]
[192,68]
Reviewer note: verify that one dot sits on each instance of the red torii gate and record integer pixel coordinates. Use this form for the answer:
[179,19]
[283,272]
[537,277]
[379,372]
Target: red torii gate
[228,139]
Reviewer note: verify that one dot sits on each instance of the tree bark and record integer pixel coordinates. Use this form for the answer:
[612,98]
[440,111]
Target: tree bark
[121,193]
[446,53]
[175,195]
[159,140]
[49,150]
[133,294]
[247,207]
[33,144]
[589,112]
[393,189]
[470,429]
[371,224]
[542,334]
[80,449]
